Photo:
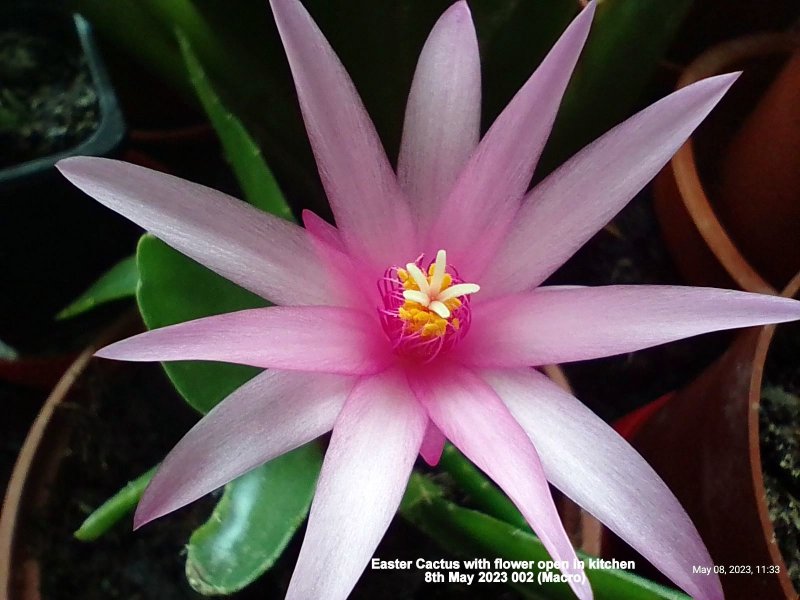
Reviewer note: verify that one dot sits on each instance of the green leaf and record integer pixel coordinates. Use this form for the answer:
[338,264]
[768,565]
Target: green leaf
[244,156]
[469,534]
[252,523]
[117,283]
[115,508]
[483,492]
[174,289]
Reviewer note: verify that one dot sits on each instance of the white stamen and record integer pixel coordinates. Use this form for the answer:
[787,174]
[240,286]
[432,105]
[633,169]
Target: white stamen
[419,278]
[438,272]
[417,296]
[460,289]
[440,309]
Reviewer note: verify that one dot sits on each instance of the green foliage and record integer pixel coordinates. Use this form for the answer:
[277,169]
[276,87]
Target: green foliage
[470,534]
[117,283]
[252,523]
[174,289]
[244,156]
[114,509]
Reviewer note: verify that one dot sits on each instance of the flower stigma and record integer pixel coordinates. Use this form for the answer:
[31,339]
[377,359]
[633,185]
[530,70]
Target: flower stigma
[425,312]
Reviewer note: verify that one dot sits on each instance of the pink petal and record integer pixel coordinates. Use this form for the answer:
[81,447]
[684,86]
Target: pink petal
[588,461]
[264,254]
[432,445]
[322,230]
[271,414]
[370,209]
[443,114]
[372,450]
[349,275]
[554,325]
[582,196]
[473,418]
[488,192]
[312,338]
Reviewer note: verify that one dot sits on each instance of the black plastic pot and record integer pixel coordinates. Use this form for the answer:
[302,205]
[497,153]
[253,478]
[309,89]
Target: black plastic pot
[53,239]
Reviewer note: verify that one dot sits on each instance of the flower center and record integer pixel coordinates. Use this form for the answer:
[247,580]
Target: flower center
[425,314]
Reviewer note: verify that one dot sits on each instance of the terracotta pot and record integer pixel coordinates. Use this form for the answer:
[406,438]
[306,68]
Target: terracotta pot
[759,193]
[687,190]
[704,442]
[35,471]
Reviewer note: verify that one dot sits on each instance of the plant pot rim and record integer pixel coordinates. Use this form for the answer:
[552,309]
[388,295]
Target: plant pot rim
[110,131]
[26,478]
[762,346]
[715,61]
[717,415]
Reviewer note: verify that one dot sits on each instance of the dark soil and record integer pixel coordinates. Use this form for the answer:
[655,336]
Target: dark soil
[780,443]
[128,419]
[47,100]
[631,251]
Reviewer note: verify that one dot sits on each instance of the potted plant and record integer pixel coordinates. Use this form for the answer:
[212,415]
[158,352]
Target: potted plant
[724,214]
[56,101]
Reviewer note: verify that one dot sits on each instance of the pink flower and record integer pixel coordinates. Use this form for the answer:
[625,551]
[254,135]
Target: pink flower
[395,357]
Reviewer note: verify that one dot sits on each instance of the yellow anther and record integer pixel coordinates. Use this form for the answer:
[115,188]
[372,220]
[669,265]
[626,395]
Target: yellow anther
[422,317]
[452,304]
[430,299]
[437,328]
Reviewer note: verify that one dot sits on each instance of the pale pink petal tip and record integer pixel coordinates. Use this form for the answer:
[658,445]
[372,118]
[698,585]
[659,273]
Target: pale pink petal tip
[616,485]
[574,202]
[273,413]
[261,252]
[311,338]
[488,192]
[442,118]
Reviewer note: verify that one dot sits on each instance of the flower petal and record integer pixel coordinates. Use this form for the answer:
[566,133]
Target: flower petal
[443,114]
[578,199]
[349,275]
[473,418]
[488,192]
[432,445]
[269,415]
[554,325]
[264,254]
[324,231]
[371,211]
[588,461]
[374,443]
[311,338]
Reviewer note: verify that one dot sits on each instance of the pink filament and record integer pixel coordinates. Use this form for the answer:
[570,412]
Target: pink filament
[413,344]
